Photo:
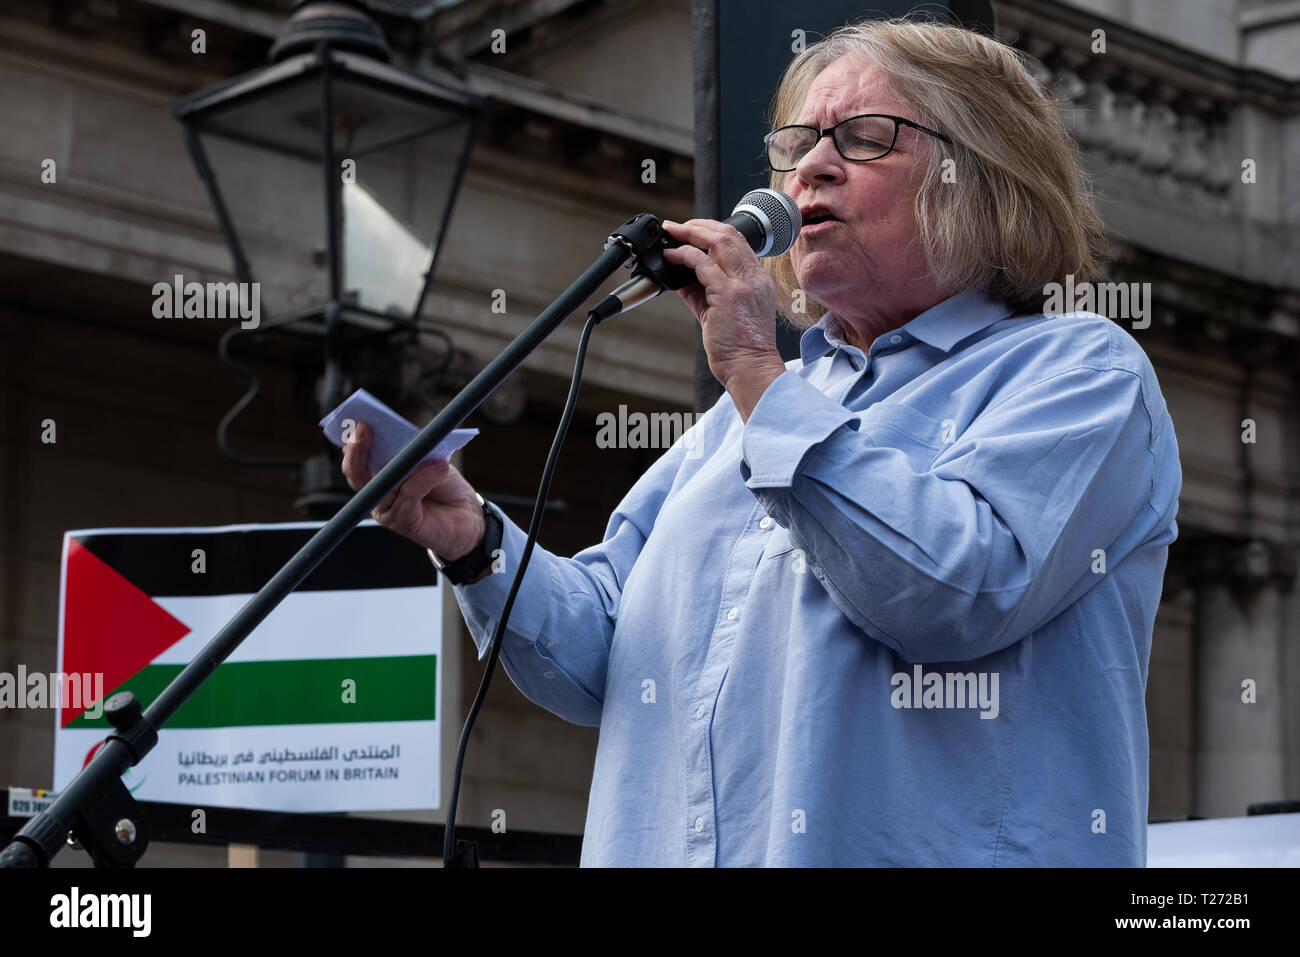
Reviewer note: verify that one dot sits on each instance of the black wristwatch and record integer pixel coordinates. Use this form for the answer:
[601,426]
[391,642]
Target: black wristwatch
[468,567]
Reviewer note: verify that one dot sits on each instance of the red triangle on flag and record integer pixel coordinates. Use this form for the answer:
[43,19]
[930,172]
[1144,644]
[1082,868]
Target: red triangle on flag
[109,625]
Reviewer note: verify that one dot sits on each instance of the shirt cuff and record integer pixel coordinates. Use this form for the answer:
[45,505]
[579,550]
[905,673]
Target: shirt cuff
[791,419]
[481,603]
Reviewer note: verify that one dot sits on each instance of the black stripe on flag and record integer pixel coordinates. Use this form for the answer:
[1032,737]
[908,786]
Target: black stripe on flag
[240,562]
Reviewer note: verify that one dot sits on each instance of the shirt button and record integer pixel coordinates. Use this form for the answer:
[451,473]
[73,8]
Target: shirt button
[895,339]
[818,573]
[732,615]
[548,674]
[766,522]
[699,824]
[699,712]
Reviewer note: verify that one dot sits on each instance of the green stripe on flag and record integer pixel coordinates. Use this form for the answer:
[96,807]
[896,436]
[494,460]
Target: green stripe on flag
[309,691]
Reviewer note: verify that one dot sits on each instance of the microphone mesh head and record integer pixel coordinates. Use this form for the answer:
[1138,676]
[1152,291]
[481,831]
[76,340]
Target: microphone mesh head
[783,213]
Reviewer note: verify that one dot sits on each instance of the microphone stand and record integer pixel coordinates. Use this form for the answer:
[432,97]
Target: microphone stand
[96,809]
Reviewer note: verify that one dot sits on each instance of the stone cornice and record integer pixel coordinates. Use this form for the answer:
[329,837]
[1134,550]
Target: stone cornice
[1230,310]
[1070,28]
[1189,155]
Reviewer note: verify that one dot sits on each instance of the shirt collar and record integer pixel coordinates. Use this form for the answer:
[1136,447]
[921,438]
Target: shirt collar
[942,326]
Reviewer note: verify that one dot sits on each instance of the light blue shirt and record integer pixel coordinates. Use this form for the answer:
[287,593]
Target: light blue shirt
[902,616]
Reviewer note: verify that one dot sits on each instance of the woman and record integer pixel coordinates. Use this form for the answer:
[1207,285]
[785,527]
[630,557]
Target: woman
[896,606]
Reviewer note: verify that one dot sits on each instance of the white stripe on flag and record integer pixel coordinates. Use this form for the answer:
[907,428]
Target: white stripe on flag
[364,623]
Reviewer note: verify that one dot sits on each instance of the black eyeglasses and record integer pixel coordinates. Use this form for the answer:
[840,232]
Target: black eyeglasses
[859,139]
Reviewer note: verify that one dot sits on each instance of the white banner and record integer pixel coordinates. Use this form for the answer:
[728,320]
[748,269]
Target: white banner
[333,703]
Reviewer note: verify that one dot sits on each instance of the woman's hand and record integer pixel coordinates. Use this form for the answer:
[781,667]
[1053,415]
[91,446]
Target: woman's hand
[434,506]
[735,303]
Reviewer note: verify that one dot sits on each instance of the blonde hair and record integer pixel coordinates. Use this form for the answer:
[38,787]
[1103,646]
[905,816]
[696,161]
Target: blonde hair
[1020,214]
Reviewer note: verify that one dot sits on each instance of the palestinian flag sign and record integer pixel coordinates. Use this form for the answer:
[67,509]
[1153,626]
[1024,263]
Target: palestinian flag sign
[333,703]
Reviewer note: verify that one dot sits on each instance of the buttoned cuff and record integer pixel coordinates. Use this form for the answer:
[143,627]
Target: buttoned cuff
[791,419]
[481,602]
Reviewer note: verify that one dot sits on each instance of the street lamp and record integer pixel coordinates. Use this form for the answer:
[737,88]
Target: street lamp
[333,175]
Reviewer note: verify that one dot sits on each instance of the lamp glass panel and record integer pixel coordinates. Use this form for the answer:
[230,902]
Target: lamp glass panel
[395,161]
[264,152]
[405,155]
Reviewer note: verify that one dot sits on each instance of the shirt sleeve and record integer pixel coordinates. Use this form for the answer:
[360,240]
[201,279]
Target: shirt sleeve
[557,641]
[962,550]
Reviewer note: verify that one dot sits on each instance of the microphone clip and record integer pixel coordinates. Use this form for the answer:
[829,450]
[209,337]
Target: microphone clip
[645,240]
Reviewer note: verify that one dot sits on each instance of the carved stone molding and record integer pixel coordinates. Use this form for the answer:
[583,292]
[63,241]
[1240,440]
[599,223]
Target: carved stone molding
[1178,139]
[1186,150]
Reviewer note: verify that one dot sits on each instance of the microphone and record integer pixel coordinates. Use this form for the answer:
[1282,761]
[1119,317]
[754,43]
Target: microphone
[768,219]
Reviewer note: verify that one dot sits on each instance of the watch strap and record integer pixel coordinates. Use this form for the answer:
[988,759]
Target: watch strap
[468,567]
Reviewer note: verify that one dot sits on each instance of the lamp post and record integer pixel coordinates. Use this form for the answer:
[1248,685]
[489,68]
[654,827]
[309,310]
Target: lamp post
[333,175]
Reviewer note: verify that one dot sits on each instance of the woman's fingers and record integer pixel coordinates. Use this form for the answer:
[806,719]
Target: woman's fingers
[357,472]
[709,263]
[688,256]
[426,477]
[706,270]
[433,505]
[355,453]
[407,499]
[722,242]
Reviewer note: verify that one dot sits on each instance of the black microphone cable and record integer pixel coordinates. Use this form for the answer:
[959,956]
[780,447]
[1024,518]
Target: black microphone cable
[533,527]
[770,221]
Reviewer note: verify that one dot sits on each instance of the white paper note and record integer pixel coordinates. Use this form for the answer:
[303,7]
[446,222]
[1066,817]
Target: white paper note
[390,431]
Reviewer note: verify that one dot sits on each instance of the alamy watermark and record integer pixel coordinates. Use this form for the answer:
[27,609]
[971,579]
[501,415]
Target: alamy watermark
[75,691]
[213,300]
[637,430]
[1115,300]
[131,912]
[933,689]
